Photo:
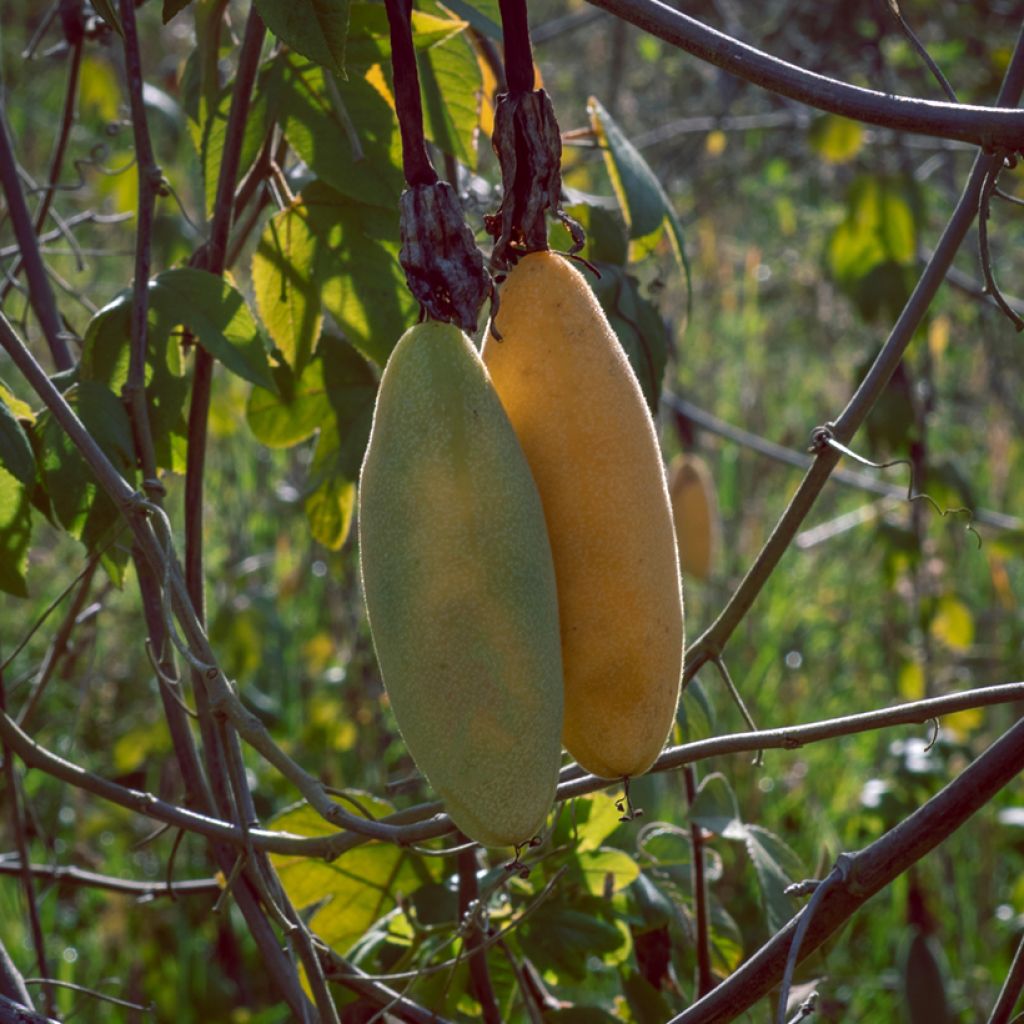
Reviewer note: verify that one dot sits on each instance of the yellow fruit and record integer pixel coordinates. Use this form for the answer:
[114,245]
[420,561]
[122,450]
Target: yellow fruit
[695,511]
[580,416]
[460,588]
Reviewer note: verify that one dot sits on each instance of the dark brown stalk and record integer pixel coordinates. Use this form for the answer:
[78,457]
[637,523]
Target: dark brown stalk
[150,181]
[518,50]
[408,103]
[1001,126]
[1010,992]
[57,162]
[705,979]
[21,844]
[469,916]
[40,293]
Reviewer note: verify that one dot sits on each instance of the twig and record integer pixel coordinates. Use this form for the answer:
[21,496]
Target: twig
[869,871]
[801,460]
[12,1012]
[711,643]
[57,161]
[702,940]
[473,917]
[12,984]
[101,996]
[41,295]
[1001,126]
[916,43]
[150,179]
[1010,992]
[21,843]
[985,252]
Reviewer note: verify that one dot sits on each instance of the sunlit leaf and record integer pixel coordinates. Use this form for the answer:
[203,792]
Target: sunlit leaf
[450,81]
[355,149]
[606,870]
[369,41]
[298,409]
[15,534]
[15,450]
[644,202]
[218,314]
[953,624]
[836,139]
[911,681]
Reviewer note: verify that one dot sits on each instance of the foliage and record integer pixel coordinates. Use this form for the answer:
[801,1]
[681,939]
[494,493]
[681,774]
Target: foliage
[752,255]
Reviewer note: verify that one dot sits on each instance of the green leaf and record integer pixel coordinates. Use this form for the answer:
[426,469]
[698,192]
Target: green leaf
[354,255]
[450,80]
[356,150]
[331,501]
[645,204]
[581,1015]
[214,135]
[369,41]
[77,500]
[105,355]
[317,29]
[562,938]
[836,139]
[173,7]
[716,808]
[646,1003]
[15,450]
[218,314]
[294,413]
[925,976]
[871,254]
[590,821]
[351,393]
[776,865]
[606,870]
[638,326]
[15,534]
[953,624]
[483,15]
[286,284]
[106,10]
[696,715]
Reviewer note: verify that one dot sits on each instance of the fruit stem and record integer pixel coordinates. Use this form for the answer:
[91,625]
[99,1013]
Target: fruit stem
[415,160]
[518,50]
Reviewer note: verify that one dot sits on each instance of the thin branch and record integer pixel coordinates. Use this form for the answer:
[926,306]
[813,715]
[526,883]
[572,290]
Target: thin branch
[1001,126]
[702,940]
[472,915]
[57,161]
[801,460]
[93,993]
[12,984]
[82,879]
[150,178]
[15,1013]
[866,873]
[922,52]
[14,795]
[41,295]
[711,643]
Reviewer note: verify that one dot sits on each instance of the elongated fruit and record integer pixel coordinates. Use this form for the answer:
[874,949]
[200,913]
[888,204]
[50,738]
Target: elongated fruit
[695,512]
[460,588]
[583,423]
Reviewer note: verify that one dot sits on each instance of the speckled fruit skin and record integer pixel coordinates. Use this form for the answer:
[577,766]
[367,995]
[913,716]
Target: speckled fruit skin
[460,588]
[580,416]
[695,512]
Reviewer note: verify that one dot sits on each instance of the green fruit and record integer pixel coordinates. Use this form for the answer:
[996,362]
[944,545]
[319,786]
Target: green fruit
[460,588]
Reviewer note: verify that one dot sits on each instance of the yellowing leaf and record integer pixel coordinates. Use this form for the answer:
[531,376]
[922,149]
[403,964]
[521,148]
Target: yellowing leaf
[911,681]
[715,143]
[99,90]
[836,139]
[938,336]
[964,722]
[953,624]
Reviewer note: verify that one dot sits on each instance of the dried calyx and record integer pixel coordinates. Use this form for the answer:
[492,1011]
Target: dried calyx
[443,267]
[528,144]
